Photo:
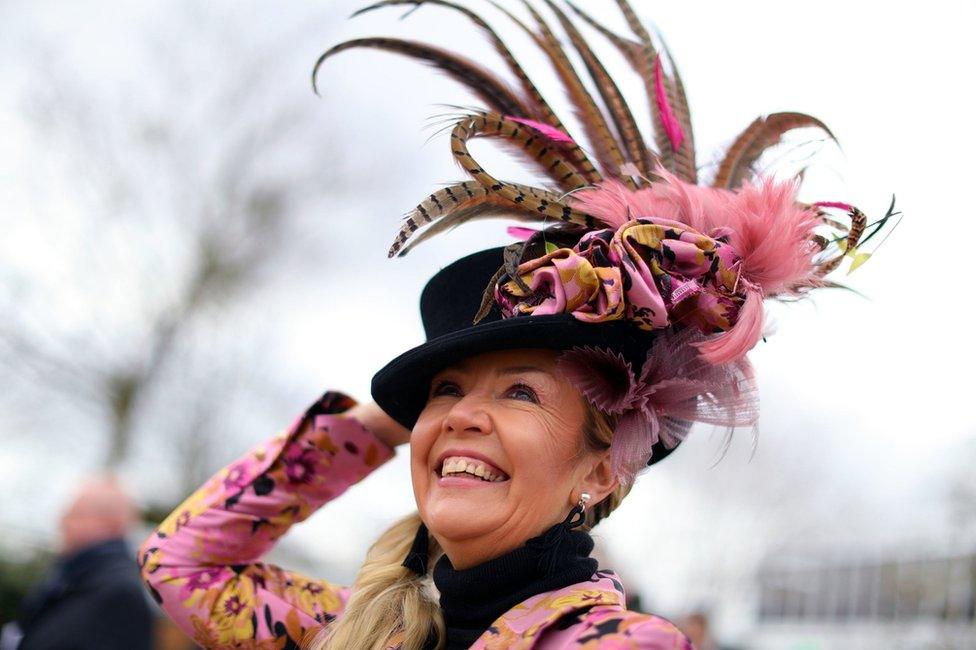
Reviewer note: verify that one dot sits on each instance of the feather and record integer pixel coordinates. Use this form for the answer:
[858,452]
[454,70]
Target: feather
[538,107]
[604,378]
[497,95]
[456,204]
[773,236]
[521,233]
[644,61]
[547,155]
[702,208]
[594,124]
[547,130]
[734,343]
[486,207]
[763,133]
[685,162]
[670,123]
[630,49]
[682,161]
[674,388]
[512,255]
[548,207]
[620,112]
[438,204]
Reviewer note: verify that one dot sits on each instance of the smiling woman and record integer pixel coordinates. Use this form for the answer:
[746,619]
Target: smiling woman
[535,402]
[510,414]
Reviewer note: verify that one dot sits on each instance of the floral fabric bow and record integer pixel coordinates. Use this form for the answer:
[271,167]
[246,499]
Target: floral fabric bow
[653,272]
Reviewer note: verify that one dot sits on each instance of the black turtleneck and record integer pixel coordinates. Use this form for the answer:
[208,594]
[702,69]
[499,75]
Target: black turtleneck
[471,599]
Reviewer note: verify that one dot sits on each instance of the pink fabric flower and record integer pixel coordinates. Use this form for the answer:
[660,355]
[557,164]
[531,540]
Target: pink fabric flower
[675,388]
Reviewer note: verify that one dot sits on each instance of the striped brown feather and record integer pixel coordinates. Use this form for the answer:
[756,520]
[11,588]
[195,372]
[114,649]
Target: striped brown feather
[488,207]
[548,155]
[644,61]
[485,84]
[549,207]
[594,123]
[537,104]
[614,100]
[763,133]
[441,202]
[686,163]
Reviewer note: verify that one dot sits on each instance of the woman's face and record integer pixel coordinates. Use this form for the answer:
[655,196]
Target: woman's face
[498,456]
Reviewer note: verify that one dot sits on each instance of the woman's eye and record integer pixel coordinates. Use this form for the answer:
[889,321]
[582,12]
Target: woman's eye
[447,388]
[524,393]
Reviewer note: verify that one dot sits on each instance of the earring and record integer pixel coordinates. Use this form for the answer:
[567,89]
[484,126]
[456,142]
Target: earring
[583,500]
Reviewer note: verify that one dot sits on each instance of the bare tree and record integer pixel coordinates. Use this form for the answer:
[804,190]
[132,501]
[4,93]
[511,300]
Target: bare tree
[163,199]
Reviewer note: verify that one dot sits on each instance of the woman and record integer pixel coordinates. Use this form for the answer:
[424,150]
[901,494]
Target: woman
[534,403]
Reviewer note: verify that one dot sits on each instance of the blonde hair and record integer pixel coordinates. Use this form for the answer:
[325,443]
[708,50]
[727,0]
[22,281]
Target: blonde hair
[389,602]
[391,605]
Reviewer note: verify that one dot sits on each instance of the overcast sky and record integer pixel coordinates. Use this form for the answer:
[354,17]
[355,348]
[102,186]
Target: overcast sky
[866,401]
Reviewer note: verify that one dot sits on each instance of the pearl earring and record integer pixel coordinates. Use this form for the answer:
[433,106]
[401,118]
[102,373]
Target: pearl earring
[583,500]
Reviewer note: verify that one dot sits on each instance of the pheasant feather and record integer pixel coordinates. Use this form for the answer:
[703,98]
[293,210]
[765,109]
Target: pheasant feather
[539,108]
[620,113]
[763,133]
[594,123]
[485,84]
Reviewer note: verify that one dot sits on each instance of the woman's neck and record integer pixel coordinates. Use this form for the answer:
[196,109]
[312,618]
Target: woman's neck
[474,597]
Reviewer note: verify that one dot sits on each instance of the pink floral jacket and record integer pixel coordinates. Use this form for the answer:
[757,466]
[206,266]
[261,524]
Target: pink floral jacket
[203,564]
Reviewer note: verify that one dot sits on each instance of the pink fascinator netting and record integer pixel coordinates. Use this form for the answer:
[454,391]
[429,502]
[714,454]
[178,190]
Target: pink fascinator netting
[674,388]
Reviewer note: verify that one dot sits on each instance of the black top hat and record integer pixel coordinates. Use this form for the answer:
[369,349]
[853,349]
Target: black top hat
[448,306]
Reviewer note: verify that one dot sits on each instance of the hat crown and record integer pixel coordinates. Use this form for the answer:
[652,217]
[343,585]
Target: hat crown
[452,297]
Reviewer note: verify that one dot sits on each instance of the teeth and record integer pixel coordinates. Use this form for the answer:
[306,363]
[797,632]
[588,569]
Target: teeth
[457,465]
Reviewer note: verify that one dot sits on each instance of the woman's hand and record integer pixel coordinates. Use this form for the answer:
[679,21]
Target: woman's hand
[381,425]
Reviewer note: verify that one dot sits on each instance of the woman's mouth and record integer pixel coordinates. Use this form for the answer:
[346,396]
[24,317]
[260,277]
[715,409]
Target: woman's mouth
[467,469]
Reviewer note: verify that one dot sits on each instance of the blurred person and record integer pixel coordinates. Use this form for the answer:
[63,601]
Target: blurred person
[92,597]
[696,626]
[534,402]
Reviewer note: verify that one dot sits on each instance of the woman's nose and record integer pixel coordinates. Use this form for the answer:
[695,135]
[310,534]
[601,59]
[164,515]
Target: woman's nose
[468,414]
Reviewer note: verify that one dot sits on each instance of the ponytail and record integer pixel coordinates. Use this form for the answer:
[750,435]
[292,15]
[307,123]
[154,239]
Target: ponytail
[389,603]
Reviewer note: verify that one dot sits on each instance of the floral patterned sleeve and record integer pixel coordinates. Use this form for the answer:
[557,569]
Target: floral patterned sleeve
[202,564]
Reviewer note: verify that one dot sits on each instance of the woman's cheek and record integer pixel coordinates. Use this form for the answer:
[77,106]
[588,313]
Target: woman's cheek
[422,439]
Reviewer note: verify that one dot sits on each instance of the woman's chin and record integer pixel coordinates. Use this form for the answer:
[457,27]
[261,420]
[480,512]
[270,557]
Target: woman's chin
[462,514]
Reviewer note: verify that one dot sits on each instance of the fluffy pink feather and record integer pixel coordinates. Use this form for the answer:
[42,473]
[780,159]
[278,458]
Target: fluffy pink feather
[702,208]
[733,344]
[772,234]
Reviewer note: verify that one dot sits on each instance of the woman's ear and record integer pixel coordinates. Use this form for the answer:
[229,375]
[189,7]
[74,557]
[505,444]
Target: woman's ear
[599,481]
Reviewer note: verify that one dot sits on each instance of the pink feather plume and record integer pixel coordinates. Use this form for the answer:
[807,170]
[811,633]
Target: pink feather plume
[772,233]
[520,232]
[741,337]
[611,202]
[834,204]
[671,125]
[547,130]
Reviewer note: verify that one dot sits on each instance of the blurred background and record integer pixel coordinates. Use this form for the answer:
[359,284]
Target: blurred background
[193,247]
